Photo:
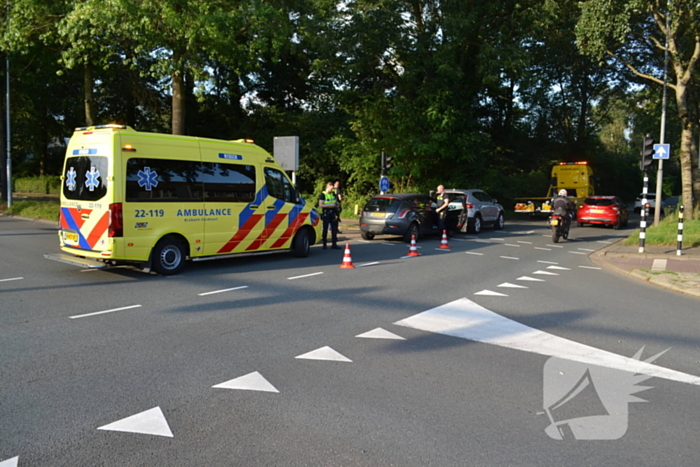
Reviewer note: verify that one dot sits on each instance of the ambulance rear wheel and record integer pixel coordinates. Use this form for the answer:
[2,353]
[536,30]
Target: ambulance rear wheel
[169,256]
[301,244]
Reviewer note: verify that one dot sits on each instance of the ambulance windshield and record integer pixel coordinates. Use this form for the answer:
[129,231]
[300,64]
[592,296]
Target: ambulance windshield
[85,178]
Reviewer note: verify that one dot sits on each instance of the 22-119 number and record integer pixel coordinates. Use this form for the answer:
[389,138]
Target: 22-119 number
[150,213]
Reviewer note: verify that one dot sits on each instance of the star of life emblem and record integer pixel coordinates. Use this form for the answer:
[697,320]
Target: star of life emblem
[70,179]
[147,178]
[91,178]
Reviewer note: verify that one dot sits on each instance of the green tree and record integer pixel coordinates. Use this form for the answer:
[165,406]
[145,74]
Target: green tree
[633,33]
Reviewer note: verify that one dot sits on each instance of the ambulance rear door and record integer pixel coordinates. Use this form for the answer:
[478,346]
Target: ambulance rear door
[86,194]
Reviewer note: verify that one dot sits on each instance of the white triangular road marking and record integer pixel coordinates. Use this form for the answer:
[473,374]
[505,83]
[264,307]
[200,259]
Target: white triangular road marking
[531,279]
[491,293]
[466,319]
[380,333]
[150,422]
[559,268]
[251,382]
[324,353]
[512,286]
[546,273]
[10,462]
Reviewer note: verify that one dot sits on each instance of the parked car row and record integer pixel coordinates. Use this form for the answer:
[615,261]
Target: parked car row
[409,214]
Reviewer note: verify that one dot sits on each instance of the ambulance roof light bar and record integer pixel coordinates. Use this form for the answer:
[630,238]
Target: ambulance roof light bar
[114,126]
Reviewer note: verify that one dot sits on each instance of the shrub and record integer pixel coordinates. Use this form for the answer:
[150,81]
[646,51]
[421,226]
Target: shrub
[45,185]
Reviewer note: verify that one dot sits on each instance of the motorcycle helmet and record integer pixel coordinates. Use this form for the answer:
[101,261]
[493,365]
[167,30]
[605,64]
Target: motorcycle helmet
[562,192]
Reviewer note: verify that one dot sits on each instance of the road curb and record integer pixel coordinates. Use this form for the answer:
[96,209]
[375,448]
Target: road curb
[661,279]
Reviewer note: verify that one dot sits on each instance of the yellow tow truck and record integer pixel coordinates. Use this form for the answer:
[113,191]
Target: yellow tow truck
[576,177]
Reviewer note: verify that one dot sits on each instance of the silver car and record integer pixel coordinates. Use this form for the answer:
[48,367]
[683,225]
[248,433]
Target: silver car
[475,209]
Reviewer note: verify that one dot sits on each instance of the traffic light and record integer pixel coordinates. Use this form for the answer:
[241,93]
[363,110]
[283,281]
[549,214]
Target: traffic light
[647,153]
[386,162]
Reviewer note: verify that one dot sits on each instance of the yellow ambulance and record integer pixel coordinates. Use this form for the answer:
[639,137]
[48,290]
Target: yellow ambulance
[157,200]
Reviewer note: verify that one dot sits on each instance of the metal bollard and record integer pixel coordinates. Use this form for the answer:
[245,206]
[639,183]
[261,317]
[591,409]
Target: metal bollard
[679,246]
[644,212]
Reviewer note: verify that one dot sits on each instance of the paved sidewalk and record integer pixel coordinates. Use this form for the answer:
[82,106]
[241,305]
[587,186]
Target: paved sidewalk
[658,265]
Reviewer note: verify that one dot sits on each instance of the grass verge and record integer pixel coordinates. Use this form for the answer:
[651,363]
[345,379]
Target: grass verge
[666,233]
[32,208]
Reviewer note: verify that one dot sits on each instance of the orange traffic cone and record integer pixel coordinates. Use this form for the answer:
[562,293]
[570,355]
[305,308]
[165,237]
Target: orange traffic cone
[443,243]
[413,249]
[347,259]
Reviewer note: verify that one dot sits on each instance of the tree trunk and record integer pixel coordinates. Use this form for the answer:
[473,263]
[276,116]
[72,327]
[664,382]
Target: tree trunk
[686,156]
[88,84]
[178,102]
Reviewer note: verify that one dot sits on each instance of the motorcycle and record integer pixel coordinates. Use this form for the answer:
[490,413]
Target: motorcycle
[560,226]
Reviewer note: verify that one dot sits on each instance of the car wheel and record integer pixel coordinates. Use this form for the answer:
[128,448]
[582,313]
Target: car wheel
[367,235]
[618,224]
[475,225]
[500,222]
[301,244]
[412,230]
[580,224]
[168,256]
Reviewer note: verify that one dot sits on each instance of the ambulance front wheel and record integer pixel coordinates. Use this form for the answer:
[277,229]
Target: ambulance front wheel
[301,244]
[169,256]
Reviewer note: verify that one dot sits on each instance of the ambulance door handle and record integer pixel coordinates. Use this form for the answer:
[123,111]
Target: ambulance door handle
[270,207]
[253,206]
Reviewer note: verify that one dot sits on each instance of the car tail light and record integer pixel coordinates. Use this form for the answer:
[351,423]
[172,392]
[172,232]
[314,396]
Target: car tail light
[469,206]
[404,213]
[116,220]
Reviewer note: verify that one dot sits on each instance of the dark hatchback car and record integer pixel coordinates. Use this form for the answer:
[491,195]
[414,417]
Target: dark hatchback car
[404,214]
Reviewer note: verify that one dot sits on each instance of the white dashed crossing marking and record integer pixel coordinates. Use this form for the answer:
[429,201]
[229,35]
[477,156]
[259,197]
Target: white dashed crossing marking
[586,249]
[473,253]
[324,353]
[512,286]
[305,275]
[510,257]
[466,319]
[251,382]
[526,243]
[491,293]
[604,241]
[367,264]
[10,462]
[223,290]
[528,278]
[589,267]
[512,244]
[380,333]
[547,262]
[546,273]
[150,422]
[554,246]
[540,248]
[105,311]
[577,252]
[559,268]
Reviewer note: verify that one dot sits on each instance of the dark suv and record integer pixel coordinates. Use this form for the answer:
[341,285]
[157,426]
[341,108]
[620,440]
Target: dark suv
[404,214]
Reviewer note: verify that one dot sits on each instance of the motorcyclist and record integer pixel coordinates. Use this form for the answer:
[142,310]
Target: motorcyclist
[563,206]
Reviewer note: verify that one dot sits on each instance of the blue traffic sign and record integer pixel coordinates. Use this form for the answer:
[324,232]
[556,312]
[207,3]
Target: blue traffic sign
[662,151]
[384,184]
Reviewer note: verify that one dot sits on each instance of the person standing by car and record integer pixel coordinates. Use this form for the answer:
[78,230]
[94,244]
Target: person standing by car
[339,200]
[328,203]
[443,204]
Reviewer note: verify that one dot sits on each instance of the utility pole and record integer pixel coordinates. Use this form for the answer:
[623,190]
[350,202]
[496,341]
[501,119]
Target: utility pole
[660,171]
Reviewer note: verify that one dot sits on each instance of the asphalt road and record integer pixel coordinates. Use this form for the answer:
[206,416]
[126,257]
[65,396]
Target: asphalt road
[118,368]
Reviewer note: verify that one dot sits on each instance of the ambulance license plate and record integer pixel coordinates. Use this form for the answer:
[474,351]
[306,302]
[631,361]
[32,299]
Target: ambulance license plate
[70,237]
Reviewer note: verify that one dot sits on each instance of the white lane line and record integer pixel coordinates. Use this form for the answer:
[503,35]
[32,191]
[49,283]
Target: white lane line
[512,286]
[589,267]
[546,273]
[367,264]
[509,257]
[547,235]
[526,243]
[555,246]
[547,262]
[482,241]
[82,270]
[305,275]
[223,290]
[106,311]
[473,253]
[491,293]
[578,252]
[585,249]
[523,232]
[512,244]
[559,268]
[12,279]
[529,279]
[466,319]
[604,241]
[443,249]
[499,239]
[540,248]
[390,244]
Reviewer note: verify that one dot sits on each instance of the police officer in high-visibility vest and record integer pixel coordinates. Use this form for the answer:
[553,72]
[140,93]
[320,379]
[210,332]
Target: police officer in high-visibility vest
[443,203]
[328,203]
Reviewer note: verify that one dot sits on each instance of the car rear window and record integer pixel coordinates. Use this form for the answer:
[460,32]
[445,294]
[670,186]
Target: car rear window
[649,196]
[599,202]
[382,205]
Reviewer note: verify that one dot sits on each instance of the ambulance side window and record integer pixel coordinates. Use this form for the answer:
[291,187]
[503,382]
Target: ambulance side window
[228,182]
[278,186]
[163,180]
